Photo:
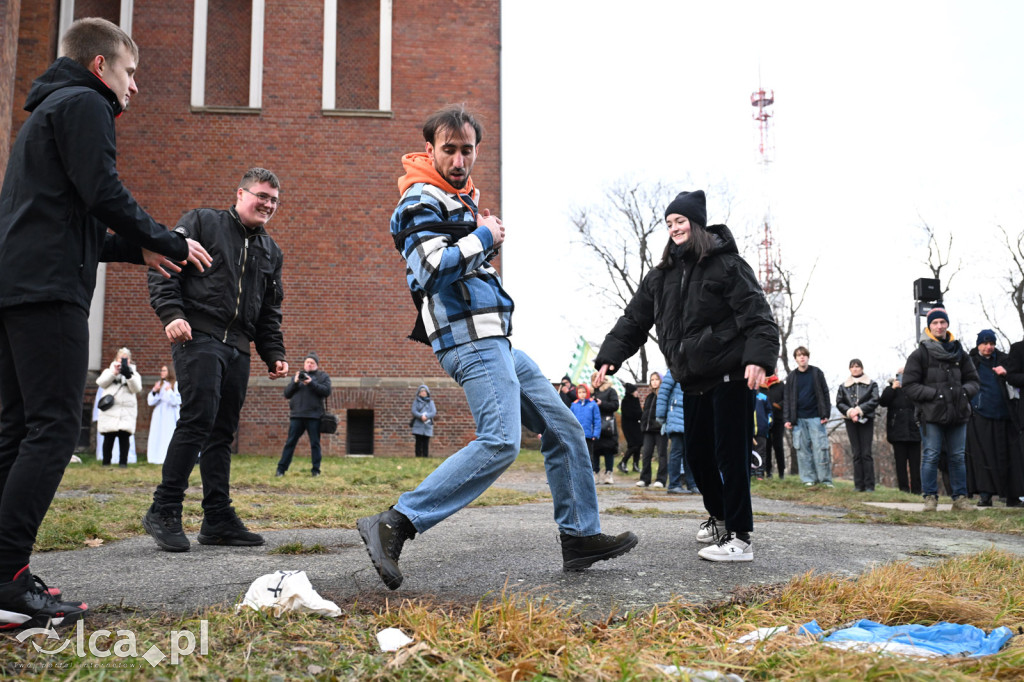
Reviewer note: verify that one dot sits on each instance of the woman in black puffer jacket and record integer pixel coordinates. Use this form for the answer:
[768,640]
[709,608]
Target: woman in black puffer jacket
[717,333]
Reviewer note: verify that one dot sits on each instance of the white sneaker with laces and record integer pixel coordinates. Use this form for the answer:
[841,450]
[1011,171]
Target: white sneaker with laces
[608,480]
[709,531]
[641,484]
[729,548]
[657,484]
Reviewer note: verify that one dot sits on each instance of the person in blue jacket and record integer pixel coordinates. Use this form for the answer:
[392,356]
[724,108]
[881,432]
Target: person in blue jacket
[589,417]
[762,427]
[669,413]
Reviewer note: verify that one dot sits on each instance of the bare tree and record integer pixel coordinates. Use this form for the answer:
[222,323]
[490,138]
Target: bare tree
[937,259]
[1013,284]
[786,304]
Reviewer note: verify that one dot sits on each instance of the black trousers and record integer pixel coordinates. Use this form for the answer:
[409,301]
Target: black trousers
[908,455]
[124,441]
[719,432]
[653,439]
[422,445]
[776,445]
[44,356]
[213,377]
[296,427]
[861,435]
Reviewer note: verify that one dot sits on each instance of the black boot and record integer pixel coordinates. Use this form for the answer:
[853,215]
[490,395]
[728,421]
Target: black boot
[384,536]
[579,553]
[227,529]
[164,524]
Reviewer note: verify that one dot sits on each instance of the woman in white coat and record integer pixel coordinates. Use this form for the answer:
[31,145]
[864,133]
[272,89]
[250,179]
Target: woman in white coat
[166,403]
[122,382]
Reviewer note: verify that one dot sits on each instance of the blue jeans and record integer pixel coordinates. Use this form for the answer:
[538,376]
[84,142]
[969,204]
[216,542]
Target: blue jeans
[932,438]
[506,391]
[677,468]
[296,427]
[812,451]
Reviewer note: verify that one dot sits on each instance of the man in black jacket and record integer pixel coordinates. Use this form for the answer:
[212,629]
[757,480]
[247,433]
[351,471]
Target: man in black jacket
[61,192]
[807,408]
[306,394]
[211,318]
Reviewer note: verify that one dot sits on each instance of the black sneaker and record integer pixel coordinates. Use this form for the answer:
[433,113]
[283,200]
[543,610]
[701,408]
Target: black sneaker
[228,530]
[384,535]
[278,474]
[579,553]
[622,468]
[26,602]
[315,474]
[164,524]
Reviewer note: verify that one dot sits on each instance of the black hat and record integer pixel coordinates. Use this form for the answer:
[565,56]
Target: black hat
[691,205]
[985,336]
[630,388]
[312,354]
[937,314]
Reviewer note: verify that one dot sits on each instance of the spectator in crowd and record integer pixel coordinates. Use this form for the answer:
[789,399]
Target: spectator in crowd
[306,393]
[941,380]
[61,192]
[669,412]
[715,329]
[122,382]
[777,433]
[630,414]
[762,427]
[994,463]
[806,408]
[165,400]
[423,412]
[607,445]
[654,437]
[566,391]
[903,433]
[446,241]
[586,413]
[856,400]
[212,322]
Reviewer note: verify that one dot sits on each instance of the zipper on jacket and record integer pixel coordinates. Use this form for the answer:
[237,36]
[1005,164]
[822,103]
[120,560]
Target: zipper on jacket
[243,256]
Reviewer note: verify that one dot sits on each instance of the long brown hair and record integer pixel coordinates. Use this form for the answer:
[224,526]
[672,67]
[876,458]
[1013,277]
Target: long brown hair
[700,244]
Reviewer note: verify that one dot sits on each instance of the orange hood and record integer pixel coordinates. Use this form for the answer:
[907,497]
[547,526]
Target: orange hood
[418,168]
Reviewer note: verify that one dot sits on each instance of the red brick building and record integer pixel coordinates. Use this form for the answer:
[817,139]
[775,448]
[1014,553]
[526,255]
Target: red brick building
[329,94]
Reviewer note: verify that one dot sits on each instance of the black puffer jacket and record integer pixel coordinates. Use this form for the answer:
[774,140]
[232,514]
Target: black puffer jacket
[61,192]
[941,380]
[900,416]
[711,319]
[238,298]
[608,406]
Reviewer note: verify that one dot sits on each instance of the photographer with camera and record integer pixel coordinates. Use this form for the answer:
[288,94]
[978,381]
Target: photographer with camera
[119,408]
[306,394]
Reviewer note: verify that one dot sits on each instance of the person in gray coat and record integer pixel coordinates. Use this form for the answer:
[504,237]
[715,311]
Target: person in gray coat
[422,422]
[306,393]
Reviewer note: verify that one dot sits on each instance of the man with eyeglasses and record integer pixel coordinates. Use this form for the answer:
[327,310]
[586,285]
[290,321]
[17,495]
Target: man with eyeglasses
[466,318]
[210,319]
[61,191]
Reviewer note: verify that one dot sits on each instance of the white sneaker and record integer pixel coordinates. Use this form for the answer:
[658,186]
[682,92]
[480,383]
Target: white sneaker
[657,484]
[729,548]
[709,531]
[608,480]
[641,484]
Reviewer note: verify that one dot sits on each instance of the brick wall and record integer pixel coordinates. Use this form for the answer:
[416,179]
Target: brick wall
[345,293]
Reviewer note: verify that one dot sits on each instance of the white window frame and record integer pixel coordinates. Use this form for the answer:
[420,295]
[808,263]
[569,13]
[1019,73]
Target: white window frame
[67,16]
[200,24]
[329,101]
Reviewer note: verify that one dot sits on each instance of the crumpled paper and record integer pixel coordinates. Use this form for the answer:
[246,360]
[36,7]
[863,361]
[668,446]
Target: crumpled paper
[283,591]
[392,639]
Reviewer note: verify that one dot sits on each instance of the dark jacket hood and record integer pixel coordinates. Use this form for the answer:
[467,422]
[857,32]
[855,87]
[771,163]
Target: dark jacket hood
[67,73]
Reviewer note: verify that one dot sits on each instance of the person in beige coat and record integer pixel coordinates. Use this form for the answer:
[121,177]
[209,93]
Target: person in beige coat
[121,381]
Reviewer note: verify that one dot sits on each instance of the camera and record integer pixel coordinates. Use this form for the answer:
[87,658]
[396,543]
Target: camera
[303,376]
[126,370]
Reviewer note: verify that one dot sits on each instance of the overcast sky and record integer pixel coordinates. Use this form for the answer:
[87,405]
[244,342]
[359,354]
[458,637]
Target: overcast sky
[886,114]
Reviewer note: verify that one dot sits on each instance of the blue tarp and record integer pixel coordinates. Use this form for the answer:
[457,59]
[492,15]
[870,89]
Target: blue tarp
[940,639]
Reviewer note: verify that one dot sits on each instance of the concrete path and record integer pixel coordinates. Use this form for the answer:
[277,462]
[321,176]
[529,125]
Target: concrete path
[482,551]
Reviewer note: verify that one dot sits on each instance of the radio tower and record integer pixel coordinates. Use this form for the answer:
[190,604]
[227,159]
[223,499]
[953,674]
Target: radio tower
[762,101]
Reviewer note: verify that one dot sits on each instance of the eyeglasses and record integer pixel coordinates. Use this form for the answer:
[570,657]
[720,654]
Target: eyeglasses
[263,196]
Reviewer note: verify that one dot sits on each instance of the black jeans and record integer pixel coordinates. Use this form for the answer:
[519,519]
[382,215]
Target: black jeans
[213,377]
[296,427]
[422,445]
[776,445]
[908,455]
[654,439]
[861,435]
[124,441]
[719,431]
[44,356]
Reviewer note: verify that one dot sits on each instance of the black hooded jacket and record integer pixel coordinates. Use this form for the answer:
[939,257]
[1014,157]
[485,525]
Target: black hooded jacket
[61,192]
[711,319]
[941,380]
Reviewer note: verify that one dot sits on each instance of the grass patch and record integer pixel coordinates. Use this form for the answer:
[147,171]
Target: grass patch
[299,548]
[521,638]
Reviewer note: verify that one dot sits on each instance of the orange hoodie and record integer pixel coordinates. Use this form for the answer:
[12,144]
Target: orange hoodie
[418,168]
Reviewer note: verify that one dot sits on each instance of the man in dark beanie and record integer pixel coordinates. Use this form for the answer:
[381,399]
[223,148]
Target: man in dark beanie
[941,380]
[306,394]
